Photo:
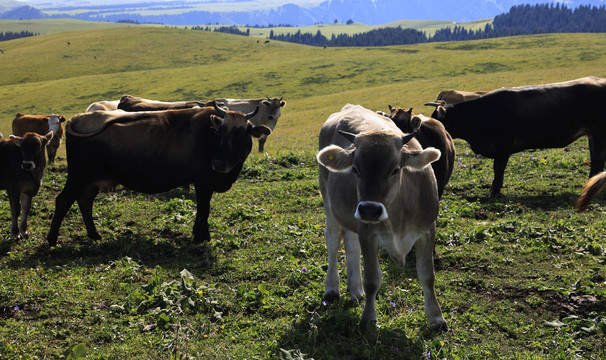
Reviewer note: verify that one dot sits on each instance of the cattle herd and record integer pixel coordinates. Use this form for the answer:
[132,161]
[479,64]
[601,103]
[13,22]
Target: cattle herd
[381,175]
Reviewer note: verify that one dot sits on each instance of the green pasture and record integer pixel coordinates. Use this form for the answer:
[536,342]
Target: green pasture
[520,276]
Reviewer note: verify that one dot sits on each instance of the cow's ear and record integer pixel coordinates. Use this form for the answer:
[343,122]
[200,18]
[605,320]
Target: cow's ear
[419,160]
[441,111]
[282,103]
[258,130]
[415,123]
[61,118]
[216,121]
[335,158]
[16,139]
[266,103]
[47,138]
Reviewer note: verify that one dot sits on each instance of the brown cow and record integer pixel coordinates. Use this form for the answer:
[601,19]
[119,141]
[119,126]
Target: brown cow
[457,96]
[378,192]
[430,133]
[23,164]
[41,124]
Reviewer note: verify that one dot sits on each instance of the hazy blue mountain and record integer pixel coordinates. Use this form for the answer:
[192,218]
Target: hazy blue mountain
[371,12]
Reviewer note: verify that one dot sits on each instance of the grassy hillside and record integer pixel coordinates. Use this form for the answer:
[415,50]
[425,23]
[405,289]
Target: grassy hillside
[520,276]
[51,26]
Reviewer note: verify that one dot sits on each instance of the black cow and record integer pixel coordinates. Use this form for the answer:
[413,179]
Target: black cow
[23,164]
[507,121]
[430,133]
[153,152]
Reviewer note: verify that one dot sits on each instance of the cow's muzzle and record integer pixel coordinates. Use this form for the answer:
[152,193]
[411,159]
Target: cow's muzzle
[28,165]
[371,212]
[220,166]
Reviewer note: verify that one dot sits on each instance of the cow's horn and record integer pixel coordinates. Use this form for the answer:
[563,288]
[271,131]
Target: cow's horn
[253,113]
[219,110]
[407,138]
[435,103]
[349,136]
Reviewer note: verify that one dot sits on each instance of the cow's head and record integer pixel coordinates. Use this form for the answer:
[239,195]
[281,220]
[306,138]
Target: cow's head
[404,120]
[32,149]
[234,133]
[375,163]
[54,122]
[274,107]
[440,112]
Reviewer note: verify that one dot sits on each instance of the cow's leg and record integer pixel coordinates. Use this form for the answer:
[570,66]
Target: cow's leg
[372,275]
[51,151]
[597,149]
[26,204]
[85,202]
[203,196]
[425,271]
[353,253]
[332,236]
[262,141]
[63,203]
[500,163]
[14,198]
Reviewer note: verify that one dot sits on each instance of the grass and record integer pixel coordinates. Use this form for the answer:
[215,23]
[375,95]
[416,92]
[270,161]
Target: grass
[519,276]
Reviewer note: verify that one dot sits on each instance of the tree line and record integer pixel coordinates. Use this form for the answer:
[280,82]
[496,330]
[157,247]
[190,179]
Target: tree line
[520,20]
[10,35]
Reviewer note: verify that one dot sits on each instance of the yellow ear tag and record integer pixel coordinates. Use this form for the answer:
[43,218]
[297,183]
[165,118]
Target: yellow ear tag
[331,157]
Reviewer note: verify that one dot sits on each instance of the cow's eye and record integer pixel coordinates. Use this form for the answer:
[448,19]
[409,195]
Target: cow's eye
[355,171]
[395,172]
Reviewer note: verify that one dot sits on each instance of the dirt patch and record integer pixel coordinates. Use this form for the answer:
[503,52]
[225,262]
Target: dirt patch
[548,300]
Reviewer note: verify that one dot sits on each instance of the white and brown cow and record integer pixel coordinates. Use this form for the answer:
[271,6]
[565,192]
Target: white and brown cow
[378,192]
[104,105]
[23,164]
[41,124]
[270,110]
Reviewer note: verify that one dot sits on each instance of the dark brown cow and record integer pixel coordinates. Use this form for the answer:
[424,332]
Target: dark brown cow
[430,133]
[507,121]
[23,164]
[131,103]
[378,192]
[152,152]
[41,124]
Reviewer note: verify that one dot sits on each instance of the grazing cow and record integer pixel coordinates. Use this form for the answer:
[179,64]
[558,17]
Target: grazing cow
[153,152]
[593,187]
[23,164]
[507,121]
[430,133]
[457,96]
[41,124]
[104,105]
[131,103]
[268,115]
[378,191]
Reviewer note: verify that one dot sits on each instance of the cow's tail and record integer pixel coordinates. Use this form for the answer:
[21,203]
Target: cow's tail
[105,125]
[593,187]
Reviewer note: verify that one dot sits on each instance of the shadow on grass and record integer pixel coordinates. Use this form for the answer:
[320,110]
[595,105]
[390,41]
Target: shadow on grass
[332,332]
[171,250]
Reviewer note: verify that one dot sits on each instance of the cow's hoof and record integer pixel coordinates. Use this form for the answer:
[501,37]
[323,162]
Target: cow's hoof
[331,297]
[51,241]
[368,325]
[93,235]
[440,326]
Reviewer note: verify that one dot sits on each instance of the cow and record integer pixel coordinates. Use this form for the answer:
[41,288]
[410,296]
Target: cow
[430,133]
[153,152]
[507,121]
[593,187]
[457,96]
[131,104]
[41,124]
[378,191]
[23,164]
[104,105]
[268,115]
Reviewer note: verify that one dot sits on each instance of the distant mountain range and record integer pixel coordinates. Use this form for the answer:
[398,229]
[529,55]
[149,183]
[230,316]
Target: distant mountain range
[371,12]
